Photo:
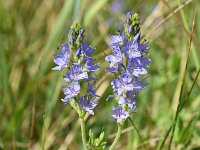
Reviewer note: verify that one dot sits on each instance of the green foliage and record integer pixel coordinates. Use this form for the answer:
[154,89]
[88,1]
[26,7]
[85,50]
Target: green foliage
[30,32]
[96,143]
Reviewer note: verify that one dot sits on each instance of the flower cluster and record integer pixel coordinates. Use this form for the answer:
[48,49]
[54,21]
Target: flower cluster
[76,56]
[128,63]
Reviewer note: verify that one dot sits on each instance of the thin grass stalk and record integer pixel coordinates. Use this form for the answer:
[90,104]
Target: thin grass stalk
[180,108]
[138,132]
[44,134]
[194,52]
[179,105]
[184,102]
[183,83]
[167,18]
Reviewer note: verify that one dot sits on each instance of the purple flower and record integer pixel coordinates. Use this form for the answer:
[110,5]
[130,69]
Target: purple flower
[131,94]
[139,71]
[71,91]
[65,100]
[71,40]
[116,40]
[133,48]
[81,67]
[89,65]
[117,86]
[116,58]
[86,50]
[62,59]
[126,77]
[138,84]
[129,63]
[143,47]
[125,84]
[130,29]
[119,114]
[80,35]
[122,100]
[137,66]
[131,105]
[76,73]
[112,69]
[92,90]
[88,105]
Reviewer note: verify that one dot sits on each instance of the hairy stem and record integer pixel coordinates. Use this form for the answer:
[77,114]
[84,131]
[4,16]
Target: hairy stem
[83,133]
[119,132]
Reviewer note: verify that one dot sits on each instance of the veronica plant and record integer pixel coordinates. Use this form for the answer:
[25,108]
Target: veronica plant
[75,57]
[128,63]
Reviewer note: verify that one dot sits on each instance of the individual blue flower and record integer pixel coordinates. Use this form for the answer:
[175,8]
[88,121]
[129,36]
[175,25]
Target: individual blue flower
[122,100]
[119,114]
[143,47]
[131,94]
[119,41]
[88,105]
[65,100]
[76,73]
[117,86]
[133,50]
[139,71]
[71,91]
[130,29]
[116,58]
[131,105]
[85,50]
[116,40]
[92,91]
[112,69]
[90,66]
[126,77]
[138,63]
[80,35]
[136,66]
[61,59]
[71,40]
[125,84]
[138,84]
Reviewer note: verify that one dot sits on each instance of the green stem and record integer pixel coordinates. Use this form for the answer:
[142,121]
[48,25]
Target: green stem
[83,133]
[119,132]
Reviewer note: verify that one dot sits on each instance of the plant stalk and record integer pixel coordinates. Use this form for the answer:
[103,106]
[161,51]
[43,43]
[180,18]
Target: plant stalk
[83,133]
[119,132]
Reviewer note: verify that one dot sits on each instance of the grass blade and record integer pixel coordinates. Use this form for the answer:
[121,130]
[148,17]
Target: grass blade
[138,132]
[5,76]
[172,127]
[177,111]
[53,38]
[93,10]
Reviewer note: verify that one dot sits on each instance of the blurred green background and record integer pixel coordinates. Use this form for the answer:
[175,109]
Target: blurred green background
[31,113]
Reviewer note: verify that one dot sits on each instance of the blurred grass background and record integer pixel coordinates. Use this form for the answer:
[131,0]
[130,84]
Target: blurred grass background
[31,113]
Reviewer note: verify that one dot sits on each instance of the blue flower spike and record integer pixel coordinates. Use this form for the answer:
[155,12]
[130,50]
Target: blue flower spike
[129,62]
[76,55]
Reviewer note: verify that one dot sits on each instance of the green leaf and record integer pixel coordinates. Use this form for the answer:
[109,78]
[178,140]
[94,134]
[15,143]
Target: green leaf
[96,143]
